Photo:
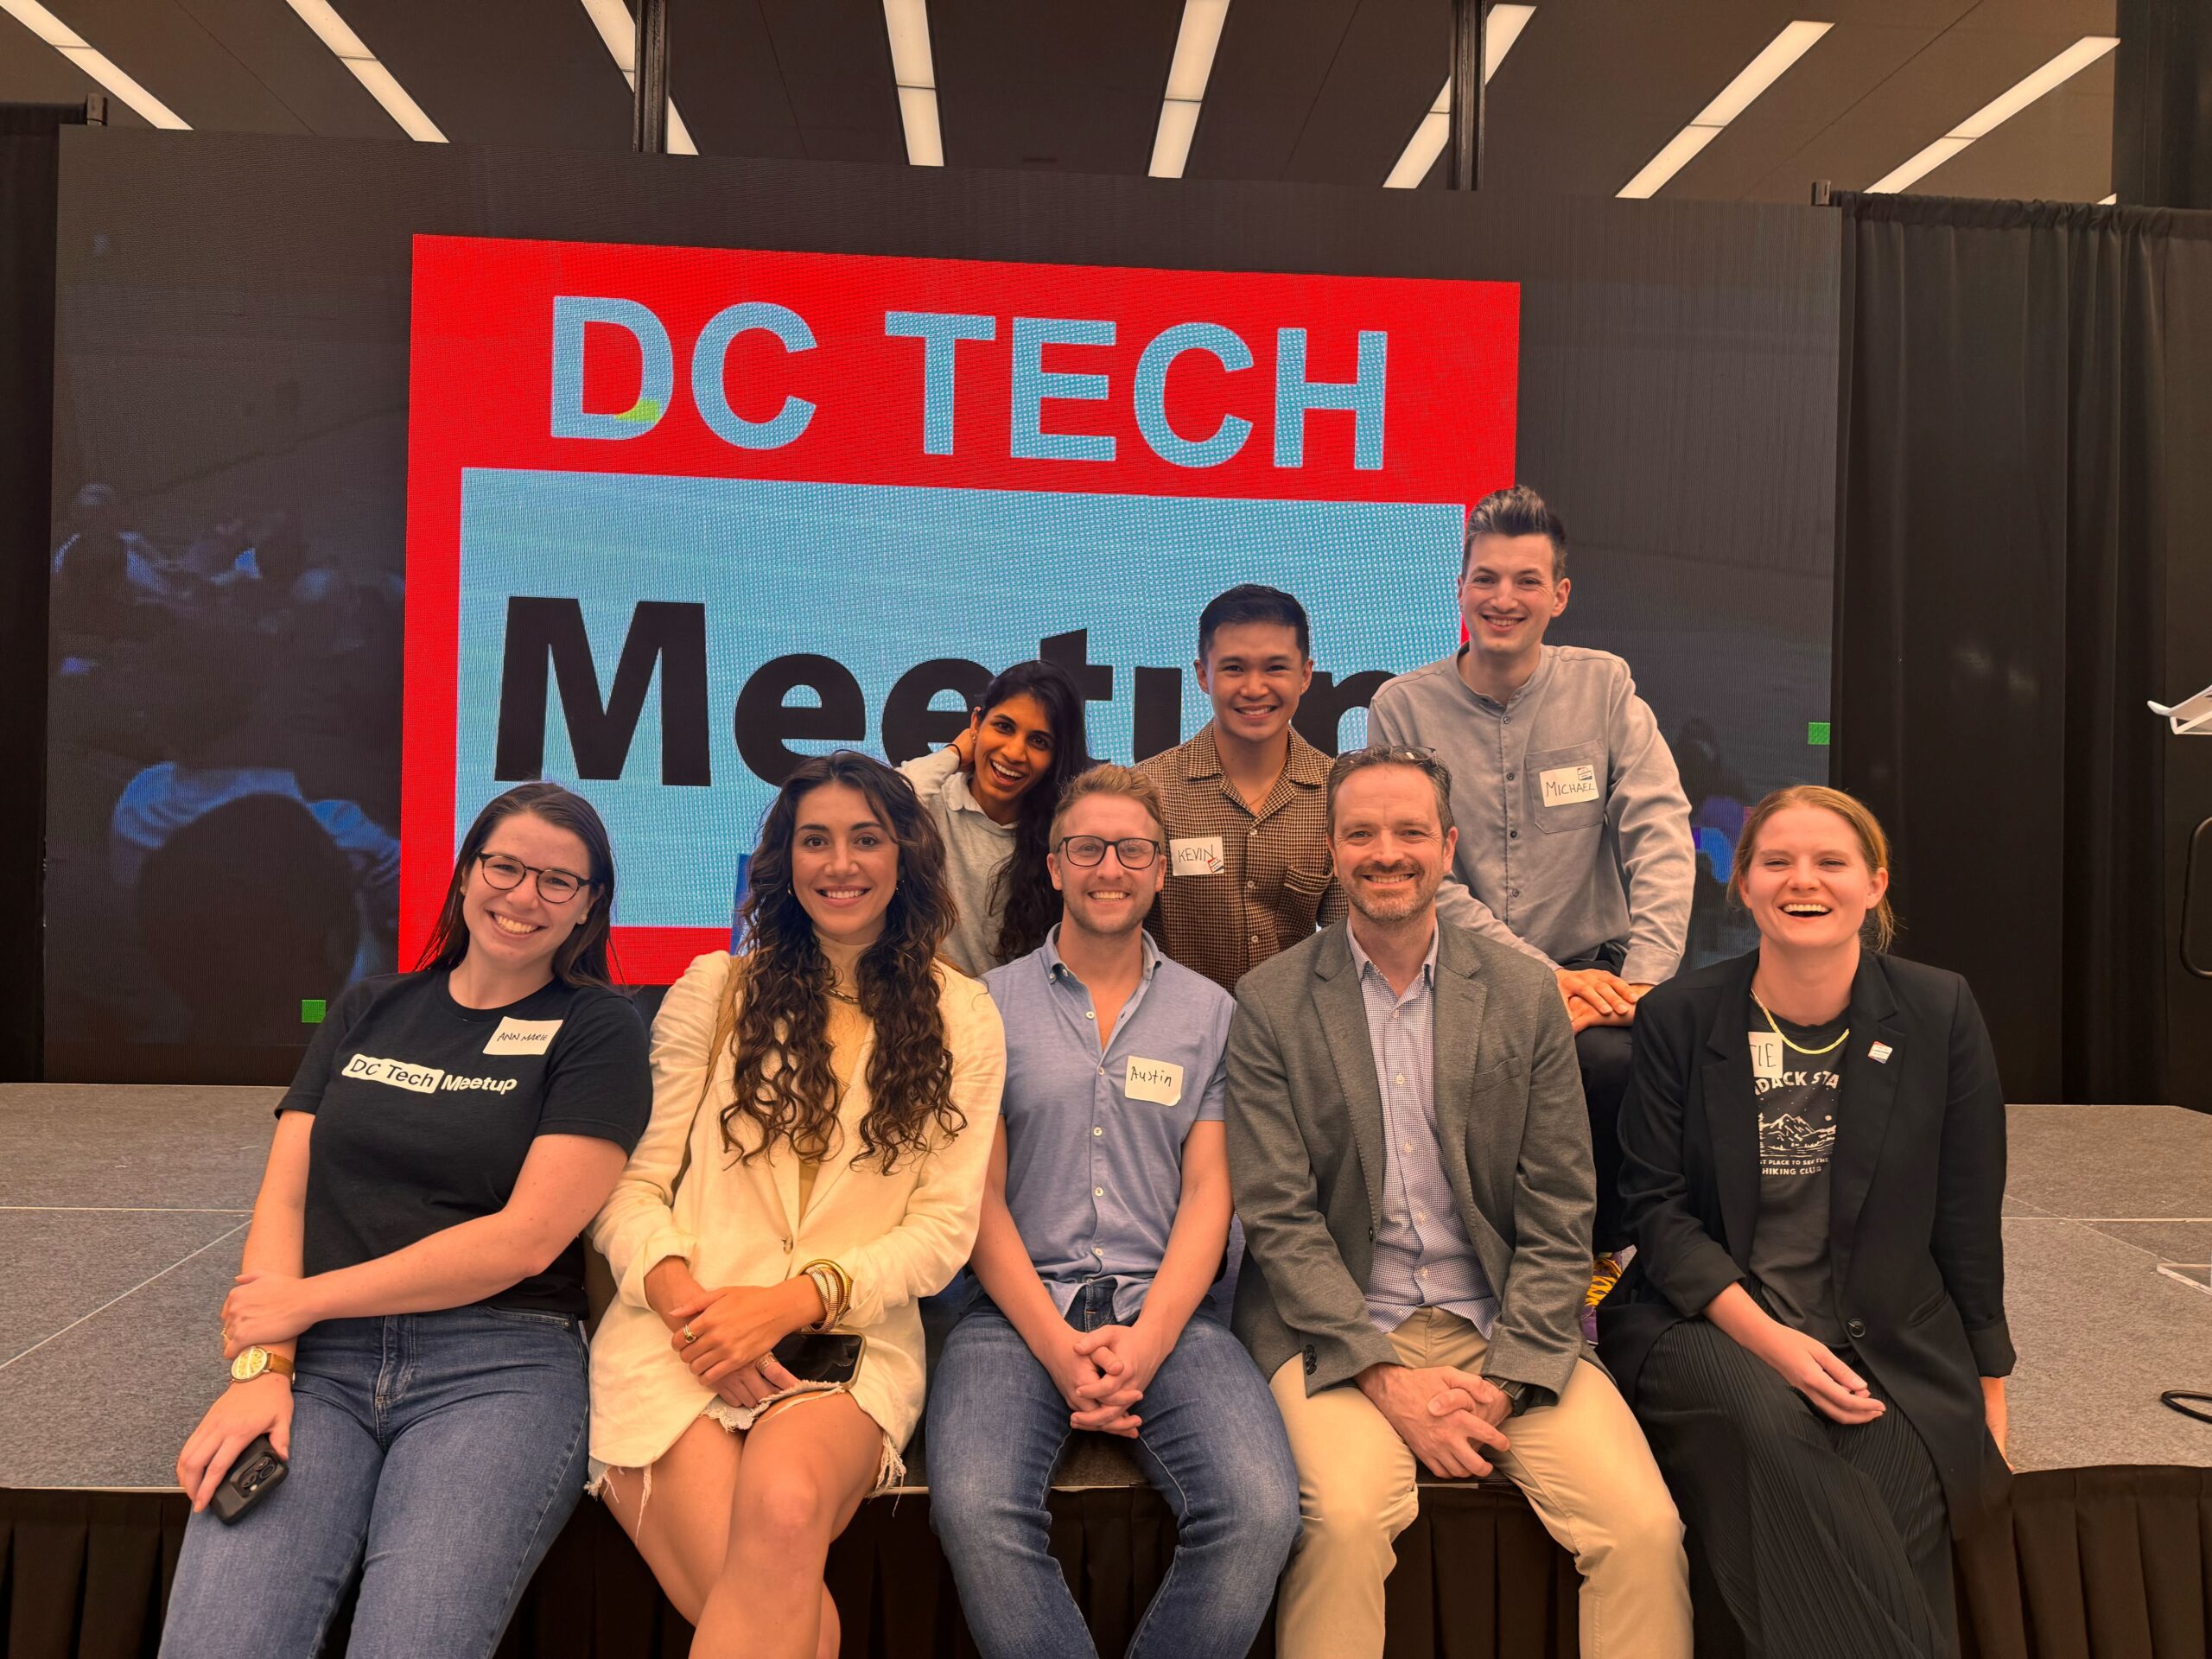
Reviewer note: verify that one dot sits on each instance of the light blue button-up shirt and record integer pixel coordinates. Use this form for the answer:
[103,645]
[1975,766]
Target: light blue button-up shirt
[1422,1255]
[1094,1138]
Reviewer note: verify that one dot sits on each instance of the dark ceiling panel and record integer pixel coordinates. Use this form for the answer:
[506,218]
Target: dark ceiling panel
[1954,75]
[835,60]
[270,43]
[1593,91]
[2059,148]
[31,71]
[501,72]
[1076,86]
[1763,154]
[1392,57]
[725,79]
[170,53]
[1273,57]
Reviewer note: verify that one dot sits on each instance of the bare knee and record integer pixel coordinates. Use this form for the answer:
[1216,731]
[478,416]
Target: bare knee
[784,1510]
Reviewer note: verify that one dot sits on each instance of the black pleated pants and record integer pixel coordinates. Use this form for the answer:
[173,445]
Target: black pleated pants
[1824,1540]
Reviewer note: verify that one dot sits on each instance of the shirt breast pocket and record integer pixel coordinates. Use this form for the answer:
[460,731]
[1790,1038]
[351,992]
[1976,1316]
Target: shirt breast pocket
[1302,887]
[1566,788]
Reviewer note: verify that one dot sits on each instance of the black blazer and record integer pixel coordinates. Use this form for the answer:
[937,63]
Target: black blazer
[1917,1186]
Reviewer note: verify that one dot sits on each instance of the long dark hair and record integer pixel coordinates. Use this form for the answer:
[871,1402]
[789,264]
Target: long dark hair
[1023,886]
[780,1043]
[581,959]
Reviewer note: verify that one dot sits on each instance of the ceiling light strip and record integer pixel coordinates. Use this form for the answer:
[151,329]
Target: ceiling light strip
[618,32]
[97,65]
[2000,109]
[1761,73]
[1196,42]
[379,82]
[907,22]
[1429,138]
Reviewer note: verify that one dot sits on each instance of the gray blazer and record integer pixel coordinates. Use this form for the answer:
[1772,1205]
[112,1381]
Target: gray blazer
[1306,1155]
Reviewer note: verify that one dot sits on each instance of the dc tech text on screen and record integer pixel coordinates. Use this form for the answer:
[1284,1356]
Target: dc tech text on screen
[679,516]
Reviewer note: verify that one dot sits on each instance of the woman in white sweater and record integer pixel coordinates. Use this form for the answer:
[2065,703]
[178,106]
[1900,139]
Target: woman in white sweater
[992,792]
[822,1114]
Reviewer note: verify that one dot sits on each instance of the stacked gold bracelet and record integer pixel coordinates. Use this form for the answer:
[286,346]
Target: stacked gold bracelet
[835,1285]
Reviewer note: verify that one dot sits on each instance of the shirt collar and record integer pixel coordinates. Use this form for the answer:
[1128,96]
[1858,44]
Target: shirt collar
[1366,964]
[1304,764]
[1056,970]
[1544,655]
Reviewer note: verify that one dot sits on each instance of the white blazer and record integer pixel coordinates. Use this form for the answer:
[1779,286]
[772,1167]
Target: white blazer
[901,1237]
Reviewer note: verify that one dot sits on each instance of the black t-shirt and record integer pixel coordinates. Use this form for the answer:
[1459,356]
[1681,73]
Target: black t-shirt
[424,1111]
[1797,1094]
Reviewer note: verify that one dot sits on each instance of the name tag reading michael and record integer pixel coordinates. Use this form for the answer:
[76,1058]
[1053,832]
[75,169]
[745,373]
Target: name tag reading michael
[523,1037]
[1196,856]
[1158,1081]
[1568,785]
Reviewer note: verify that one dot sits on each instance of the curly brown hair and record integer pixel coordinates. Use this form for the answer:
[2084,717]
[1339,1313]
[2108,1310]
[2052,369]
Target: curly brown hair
[779,1041]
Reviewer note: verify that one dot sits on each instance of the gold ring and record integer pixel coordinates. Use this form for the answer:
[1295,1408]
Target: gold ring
[690,1336]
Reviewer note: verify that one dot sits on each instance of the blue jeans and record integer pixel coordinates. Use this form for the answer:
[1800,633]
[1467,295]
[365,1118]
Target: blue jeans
[1211,1443]
[448,1448]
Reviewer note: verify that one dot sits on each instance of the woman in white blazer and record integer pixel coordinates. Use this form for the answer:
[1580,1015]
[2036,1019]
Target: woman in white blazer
[823,1113]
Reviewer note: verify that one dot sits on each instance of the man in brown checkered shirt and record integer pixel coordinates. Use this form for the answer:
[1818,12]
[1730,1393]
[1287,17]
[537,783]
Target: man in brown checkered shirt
[1248,841]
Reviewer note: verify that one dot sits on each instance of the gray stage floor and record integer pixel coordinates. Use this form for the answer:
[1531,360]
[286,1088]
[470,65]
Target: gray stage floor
[123,1210]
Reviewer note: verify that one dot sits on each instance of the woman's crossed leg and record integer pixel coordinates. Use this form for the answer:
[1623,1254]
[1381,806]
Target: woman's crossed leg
[739,1526]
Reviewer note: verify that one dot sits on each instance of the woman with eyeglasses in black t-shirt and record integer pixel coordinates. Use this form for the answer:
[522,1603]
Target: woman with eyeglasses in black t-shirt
[405,1328]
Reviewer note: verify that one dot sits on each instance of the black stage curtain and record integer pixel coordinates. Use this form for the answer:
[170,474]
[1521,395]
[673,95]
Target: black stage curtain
[29,158]
[2115,1563]
[2027,412]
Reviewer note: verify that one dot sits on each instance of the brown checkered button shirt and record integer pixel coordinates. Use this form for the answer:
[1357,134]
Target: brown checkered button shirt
[1275,885]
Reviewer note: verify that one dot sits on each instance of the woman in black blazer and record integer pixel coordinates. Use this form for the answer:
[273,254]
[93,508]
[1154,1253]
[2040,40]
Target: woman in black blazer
[1813,1331]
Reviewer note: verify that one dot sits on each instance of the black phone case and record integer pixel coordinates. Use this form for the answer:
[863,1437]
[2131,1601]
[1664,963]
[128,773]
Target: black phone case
[820,1356]
[256,1472]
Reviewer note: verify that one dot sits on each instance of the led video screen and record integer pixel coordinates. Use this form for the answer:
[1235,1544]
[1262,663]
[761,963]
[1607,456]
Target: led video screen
[385,477]
[708,511]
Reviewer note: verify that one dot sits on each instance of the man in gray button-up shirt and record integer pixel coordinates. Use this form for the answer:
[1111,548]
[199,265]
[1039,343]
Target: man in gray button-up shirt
[1574,834]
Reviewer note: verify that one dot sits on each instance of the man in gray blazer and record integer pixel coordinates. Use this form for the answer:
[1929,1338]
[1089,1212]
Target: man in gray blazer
[1411,1160]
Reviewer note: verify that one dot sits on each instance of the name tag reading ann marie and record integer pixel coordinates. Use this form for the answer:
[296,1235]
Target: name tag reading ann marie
[1196,856]
[522,1037]
[1158,1081]
[1566,785]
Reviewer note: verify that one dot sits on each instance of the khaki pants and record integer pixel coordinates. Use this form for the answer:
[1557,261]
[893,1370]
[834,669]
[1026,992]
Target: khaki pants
[1583,1464]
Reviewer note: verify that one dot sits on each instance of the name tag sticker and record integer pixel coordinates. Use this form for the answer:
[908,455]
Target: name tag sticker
[1566,785]
[1766,1056]
[1197,856]
[522,1037]
[1158,1081]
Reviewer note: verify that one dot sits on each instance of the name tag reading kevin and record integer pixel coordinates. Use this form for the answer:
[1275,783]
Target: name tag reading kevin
[1158,1081]
[1566,785]
[523,1037]
[1197,856]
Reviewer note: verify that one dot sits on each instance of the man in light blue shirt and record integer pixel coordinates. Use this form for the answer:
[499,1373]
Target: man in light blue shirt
[1423,1257]
[1105,1222]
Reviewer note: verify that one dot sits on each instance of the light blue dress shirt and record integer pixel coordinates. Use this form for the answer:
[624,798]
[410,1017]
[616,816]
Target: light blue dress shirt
[1095,1139]
[1422,1255]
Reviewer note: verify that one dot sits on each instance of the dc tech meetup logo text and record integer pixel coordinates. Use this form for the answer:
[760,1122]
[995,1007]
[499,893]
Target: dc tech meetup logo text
[548,645]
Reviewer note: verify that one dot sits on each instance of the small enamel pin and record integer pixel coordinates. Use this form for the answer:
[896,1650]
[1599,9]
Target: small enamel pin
[1880,1054]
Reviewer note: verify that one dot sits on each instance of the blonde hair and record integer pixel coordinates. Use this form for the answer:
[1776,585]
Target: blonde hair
[1125,781]
[1881,926]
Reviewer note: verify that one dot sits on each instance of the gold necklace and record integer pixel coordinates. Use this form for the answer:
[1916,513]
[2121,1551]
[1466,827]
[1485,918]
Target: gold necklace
[1799,1047]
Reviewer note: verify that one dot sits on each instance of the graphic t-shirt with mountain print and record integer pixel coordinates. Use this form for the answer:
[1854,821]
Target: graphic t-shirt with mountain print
[1796,1137]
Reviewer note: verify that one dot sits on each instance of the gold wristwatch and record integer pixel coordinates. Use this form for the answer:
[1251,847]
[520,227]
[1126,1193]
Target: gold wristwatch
[254,1361]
